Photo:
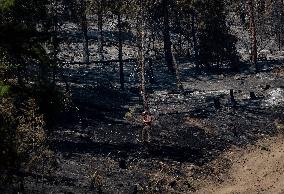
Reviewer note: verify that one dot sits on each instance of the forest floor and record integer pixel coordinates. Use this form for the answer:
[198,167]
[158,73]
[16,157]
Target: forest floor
[256,169]
[194,146]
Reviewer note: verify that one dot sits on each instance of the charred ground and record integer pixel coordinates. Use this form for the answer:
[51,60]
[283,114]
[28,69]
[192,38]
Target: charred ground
[97,148]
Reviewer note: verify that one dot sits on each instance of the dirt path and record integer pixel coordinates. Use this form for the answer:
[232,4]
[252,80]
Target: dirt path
[259,169]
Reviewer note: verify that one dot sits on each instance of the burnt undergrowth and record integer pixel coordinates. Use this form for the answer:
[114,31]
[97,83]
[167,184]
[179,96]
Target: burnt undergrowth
[101,134]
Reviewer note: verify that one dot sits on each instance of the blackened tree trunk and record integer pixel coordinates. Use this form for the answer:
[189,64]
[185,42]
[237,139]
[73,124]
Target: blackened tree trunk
[279,40]
[151,71]
[100,28]
[253,34]
[177,73]
[167,37]
[281,26]
[84,28]
[180,44]
[153,40]
[55,43]
[141,57]
[120,52]
[194,39]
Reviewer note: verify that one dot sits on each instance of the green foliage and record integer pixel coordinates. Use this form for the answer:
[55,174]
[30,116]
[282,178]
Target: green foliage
[21,42]
[264,147]
[30,129]
[4,89]
[133,114]
[24,116]
[6,4]
[25,108]
[21,130]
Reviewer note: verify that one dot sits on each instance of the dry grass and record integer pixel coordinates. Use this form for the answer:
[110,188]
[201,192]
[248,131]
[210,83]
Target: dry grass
[279,125]
[279,72]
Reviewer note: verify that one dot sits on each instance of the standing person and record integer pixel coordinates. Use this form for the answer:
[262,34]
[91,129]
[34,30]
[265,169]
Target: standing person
[147,120]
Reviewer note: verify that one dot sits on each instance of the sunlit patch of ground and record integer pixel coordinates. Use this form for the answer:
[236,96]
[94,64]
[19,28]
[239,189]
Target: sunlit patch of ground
[258,169]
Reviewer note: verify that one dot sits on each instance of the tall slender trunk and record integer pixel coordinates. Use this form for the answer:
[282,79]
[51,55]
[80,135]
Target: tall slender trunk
[151,71]
[120,52]
[177,73]
[55,44]
[153,39]
[55,49]
[194,39]
[180,44]
[167,37]
[20,70]
[100,28]
[279,40]
[84,28]
[188,48]
[253,34]
[180,33]
[141,57]
[281,26]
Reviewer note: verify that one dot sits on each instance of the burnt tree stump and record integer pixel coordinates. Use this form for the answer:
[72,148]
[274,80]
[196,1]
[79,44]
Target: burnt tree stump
[217,103]
[252,96]
[232,98]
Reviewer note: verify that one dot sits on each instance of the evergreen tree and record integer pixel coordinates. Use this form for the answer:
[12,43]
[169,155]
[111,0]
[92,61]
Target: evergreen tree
[216,44]
[21,38]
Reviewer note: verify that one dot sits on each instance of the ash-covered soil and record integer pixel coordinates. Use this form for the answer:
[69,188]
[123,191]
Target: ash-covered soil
[97,148]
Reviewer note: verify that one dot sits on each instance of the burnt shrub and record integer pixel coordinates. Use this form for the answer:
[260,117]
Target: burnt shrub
[22,129]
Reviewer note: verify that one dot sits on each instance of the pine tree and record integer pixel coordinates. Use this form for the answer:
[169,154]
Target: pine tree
[216,44]
[21,38]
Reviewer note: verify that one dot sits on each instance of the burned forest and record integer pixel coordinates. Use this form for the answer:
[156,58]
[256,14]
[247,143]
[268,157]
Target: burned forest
[142,96]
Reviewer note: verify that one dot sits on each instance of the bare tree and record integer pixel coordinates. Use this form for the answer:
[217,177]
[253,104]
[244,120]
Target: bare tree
[251,5]
[141,57]
[167,36]
[120,51]
[194,39]
[100,28]
[84,28]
